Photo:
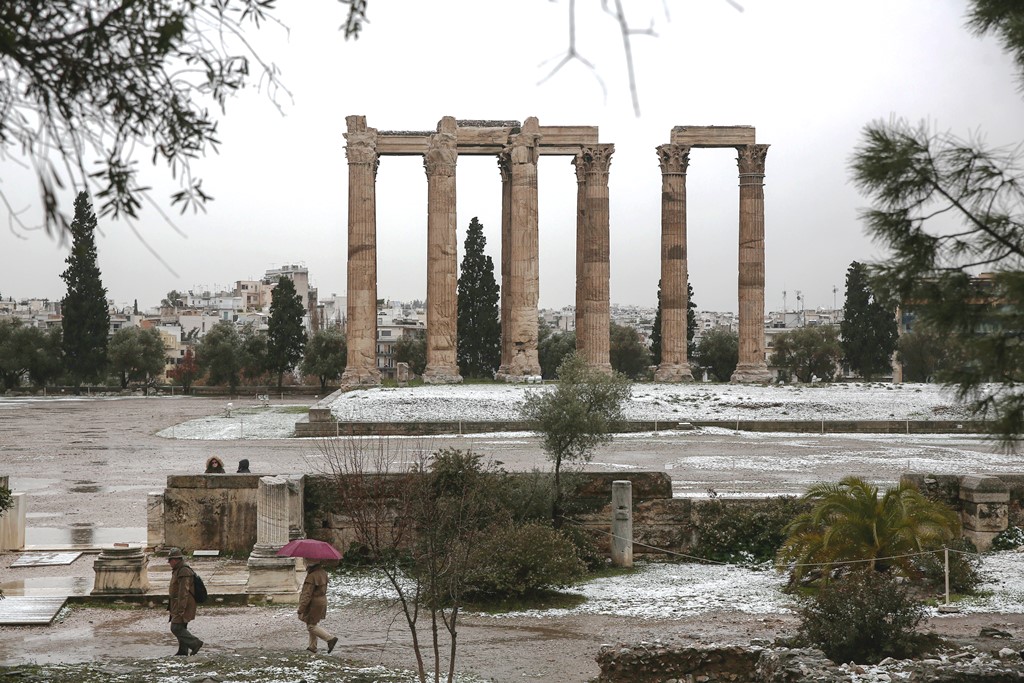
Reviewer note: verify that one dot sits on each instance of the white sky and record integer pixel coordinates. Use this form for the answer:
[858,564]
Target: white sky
[807,74]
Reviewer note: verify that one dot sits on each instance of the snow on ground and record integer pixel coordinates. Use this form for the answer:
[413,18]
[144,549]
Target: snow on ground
[652,402]
[664,590]
[669,402]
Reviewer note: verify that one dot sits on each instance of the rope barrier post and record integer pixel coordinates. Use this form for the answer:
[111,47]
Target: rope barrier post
[945,552]
[622,523]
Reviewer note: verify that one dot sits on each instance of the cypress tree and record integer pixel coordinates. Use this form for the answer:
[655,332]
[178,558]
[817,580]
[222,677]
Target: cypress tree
[286,337]
[868,328]
[85,316]
[479,340]
[691,327]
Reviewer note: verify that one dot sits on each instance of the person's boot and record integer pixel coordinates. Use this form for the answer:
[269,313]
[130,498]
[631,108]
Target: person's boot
[312,649]
[196,648]
[330,644]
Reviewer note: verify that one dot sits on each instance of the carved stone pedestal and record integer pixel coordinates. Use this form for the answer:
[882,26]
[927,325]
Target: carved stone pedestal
[673,372]
[121,569]
[751,373]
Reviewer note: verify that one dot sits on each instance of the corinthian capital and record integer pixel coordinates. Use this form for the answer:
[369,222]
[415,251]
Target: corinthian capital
[751,158]
[673,159]
[361,147]
[442,153]
[596,159]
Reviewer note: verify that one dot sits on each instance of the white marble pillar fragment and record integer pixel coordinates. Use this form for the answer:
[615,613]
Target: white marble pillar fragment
[268,573]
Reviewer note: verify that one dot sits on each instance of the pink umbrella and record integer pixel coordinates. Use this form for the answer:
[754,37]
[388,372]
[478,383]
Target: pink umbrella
[310,549]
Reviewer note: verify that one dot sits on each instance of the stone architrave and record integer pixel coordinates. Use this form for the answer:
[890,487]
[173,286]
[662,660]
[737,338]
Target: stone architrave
[361,326]
[675,366]
[121,569]
[523,291]
[751,366]
[268,573]
[442,257]
[592,328]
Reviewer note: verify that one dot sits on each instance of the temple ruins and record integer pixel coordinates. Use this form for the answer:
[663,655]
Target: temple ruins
[517,148]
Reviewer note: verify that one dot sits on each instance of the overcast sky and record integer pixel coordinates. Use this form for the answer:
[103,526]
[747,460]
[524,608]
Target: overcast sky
[807,74]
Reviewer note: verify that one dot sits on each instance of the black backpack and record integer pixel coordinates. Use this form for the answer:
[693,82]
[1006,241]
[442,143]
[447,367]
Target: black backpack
[199,589]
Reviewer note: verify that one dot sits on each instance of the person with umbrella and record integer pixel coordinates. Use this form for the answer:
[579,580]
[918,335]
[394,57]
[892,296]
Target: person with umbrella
[313,597]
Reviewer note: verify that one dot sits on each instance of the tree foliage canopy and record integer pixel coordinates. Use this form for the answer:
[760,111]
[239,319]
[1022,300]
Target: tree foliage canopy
[412,349]
[719,352]
[627,353]
[808,352]
[949,209]
[286,337]
[26,350]
[868,327]
[219,354]
[479,323]
[136,354]
[852,520]
[326,356]
[85,317]
[552,348]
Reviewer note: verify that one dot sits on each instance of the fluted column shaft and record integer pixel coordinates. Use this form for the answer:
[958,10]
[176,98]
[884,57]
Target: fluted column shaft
[505,168]
[361,327]
[674,365]
[524,265]
[272,512]
[442,257]
[593,287]
[581,240]
[752,366]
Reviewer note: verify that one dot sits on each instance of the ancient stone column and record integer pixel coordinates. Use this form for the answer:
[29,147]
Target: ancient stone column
[505,168]
[593,327]
[524,265]
[581,240]
[268,573]
[674,366]
[752,366]
[361,329]
[442,257]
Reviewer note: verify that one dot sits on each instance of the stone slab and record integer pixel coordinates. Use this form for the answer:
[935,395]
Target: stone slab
[45,559]
[713,136]
[30,611]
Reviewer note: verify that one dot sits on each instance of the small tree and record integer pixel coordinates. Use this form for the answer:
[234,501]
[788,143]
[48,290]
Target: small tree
[286,337]
[868,327]
[552,349]
[255,355]
[326,356]
[136,354]
[185,372]
[575,417]
[626,353]
[412,349]
[479,326]
[85,317]
[809,352]
[719,352]
[220,355]
[926,354]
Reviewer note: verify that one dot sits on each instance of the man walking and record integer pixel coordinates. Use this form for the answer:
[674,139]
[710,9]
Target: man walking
[182,603]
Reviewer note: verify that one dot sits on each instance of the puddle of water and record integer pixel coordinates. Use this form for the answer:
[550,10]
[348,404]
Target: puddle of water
[48,585]
[85,534]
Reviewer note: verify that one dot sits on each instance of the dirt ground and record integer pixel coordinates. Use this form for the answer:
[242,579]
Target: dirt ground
[87,465]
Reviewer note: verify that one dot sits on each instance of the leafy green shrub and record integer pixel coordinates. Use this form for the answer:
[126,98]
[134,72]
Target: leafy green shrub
[964,567]
[1011,539]
[586,548]
[518,561]
[863,616]
[744,532]
[6,499]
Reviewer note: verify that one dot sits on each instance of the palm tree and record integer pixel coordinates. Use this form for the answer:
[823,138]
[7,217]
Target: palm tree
[850,521]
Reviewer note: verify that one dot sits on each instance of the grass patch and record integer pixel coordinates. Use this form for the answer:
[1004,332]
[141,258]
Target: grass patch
[297,410]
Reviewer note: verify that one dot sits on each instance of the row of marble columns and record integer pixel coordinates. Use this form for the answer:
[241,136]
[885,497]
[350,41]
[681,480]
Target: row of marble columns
[675,367]
[520,286]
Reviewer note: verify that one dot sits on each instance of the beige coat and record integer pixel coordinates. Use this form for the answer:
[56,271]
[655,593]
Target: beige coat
[183,601]
[313,598]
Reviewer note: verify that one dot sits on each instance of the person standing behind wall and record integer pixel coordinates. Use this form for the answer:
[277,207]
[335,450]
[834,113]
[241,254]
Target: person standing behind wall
[182,604]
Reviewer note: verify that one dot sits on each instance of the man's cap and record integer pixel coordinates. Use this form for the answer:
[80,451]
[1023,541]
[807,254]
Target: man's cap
[174,553]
